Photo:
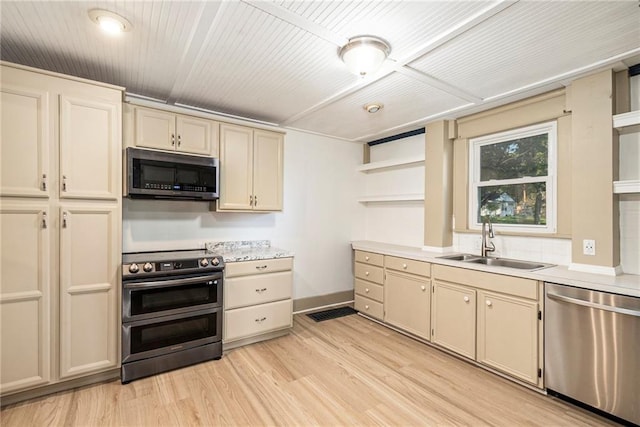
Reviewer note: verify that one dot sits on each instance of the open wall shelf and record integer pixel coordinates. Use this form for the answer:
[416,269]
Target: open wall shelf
[408,161]
[393,198]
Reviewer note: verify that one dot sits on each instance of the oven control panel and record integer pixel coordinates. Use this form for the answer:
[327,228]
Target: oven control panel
[136,265]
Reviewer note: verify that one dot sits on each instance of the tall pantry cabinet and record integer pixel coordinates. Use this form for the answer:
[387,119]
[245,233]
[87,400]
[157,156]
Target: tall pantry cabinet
[60,216]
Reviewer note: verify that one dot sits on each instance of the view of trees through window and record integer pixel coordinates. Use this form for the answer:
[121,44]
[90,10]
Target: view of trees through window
[512,186]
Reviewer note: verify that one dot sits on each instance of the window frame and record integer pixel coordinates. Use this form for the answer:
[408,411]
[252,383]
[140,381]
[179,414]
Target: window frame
[551,129]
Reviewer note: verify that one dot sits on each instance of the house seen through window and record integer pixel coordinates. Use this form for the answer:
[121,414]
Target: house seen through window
[512,179]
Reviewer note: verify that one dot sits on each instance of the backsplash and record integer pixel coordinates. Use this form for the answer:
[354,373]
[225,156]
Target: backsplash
[548,250]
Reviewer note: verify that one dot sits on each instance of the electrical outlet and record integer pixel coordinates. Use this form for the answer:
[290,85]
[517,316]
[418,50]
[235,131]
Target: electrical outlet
[589,247]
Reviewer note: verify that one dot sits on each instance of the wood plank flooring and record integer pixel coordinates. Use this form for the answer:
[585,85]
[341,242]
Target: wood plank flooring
[345,371]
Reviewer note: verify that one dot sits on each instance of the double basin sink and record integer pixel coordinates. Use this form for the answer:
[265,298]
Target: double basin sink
[497,262]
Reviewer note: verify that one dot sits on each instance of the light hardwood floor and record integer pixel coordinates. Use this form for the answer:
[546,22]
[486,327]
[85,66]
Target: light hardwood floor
[346,371]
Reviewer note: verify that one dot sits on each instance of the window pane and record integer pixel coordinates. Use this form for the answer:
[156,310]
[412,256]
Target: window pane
[514,159]
[514,204]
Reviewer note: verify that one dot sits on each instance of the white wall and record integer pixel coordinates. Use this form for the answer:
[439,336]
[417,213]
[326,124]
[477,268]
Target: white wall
[319,219]
[399,223]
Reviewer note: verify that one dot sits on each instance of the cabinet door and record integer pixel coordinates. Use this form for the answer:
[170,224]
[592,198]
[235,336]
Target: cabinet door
[508,334]
[24,295]
[453,320]
[407,303]
[236,167]
[89,279]
[268,170]
[90,148]
[155,129]
[196,135]
[24,152]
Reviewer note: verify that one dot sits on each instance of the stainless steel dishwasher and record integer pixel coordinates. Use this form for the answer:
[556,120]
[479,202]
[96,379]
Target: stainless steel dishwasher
[592,349]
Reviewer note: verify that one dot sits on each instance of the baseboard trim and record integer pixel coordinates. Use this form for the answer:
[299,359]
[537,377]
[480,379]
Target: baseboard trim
[302,305]
[596,269]
[60,386]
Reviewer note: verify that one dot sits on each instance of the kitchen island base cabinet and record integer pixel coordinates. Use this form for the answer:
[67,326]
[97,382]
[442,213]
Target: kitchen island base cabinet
[454,318]
[257,300]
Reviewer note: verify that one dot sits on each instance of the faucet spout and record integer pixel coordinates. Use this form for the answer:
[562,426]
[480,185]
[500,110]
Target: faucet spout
[487,233]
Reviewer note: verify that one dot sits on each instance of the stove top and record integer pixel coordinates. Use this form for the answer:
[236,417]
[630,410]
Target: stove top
[165,263]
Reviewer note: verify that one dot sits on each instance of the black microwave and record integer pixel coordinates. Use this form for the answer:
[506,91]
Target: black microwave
[162,175]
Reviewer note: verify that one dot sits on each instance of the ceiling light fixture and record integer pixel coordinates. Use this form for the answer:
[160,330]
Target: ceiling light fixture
[109,22]
[364,55]
[373,108]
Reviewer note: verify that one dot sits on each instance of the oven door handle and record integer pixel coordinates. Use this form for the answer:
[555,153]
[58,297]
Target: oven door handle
[173,282]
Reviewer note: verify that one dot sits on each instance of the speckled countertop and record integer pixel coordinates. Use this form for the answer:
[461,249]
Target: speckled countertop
[246,250]
[625,284]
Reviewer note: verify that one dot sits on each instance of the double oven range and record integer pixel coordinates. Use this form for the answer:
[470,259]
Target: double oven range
[171,311]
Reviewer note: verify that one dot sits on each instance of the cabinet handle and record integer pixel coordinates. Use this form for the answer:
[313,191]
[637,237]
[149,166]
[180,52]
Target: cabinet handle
[44,220]
[261,267]
[261,319]
[250,200]
[366,258]
[173,139]
[64,220]
[255,201]
[466,299]
[489,303]
[261,290]
[424,288]
[44,182]
[404,266]
[179,140]
[64,183]
[366,290]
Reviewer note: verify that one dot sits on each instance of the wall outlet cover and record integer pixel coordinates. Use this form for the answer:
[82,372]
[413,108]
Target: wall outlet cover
[589,247]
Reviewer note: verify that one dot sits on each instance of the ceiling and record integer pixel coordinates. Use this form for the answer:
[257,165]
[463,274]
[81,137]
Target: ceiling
[277,61]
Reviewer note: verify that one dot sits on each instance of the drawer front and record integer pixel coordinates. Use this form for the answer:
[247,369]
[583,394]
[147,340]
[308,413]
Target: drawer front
[251,290]
[370,258]
[369,290]
[257,319]
[369,307]
[369,272]
[408,265]
[263,266]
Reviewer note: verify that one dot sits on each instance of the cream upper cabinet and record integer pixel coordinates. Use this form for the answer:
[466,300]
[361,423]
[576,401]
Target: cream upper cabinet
[407,302]
[168,131]
[90,140]
[26,138]
[24,295]
[89,273]
[453,318]
[508,334]
[251,169]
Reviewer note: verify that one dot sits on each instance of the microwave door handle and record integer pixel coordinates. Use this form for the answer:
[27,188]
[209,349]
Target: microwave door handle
[169,283]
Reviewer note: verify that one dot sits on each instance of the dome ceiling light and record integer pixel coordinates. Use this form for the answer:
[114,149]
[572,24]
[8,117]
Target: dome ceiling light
[373,107]
[109,22]
[364,55]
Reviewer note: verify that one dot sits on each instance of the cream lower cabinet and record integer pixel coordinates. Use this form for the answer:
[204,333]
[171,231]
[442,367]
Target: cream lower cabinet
[368,284]
[251,169]
[407,297]
[453,317]
[164,130]
[508,334]
[257,300]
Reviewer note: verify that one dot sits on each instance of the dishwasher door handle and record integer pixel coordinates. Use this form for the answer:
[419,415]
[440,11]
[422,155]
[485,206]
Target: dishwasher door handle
[590,304]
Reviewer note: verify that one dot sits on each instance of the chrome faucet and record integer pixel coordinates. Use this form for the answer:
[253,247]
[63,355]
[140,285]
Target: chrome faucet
[487,233]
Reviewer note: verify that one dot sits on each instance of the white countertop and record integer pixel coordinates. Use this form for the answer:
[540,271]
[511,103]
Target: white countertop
[251,250]
[625,284]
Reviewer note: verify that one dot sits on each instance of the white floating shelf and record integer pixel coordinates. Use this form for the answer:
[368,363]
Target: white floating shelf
[393,198]
[391,163]
[625,187]
[632,118]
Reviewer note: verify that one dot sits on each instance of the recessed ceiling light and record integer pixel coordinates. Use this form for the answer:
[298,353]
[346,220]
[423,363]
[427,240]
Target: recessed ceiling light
[109,22]
[364,55]
[373,107]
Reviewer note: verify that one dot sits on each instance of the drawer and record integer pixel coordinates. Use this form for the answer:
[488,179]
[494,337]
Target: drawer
[408,265]
[369,290]
[251,290]
[245,268]
[257,319]
[369,307]
[369,272]
[370,258]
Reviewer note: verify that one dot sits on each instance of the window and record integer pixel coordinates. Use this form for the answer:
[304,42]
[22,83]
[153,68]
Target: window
[512,179]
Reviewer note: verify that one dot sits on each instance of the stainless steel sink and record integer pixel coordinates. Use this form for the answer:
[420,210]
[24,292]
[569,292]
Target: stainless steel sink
[497,262]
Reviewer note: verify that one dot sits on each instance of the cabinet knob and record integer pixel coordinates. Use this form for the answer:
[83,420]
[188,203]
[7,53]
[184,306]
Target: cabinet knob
[366,290]
[466,299]
[424,288]
[489,303]
[366,258]
[404,266]
[366,273]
